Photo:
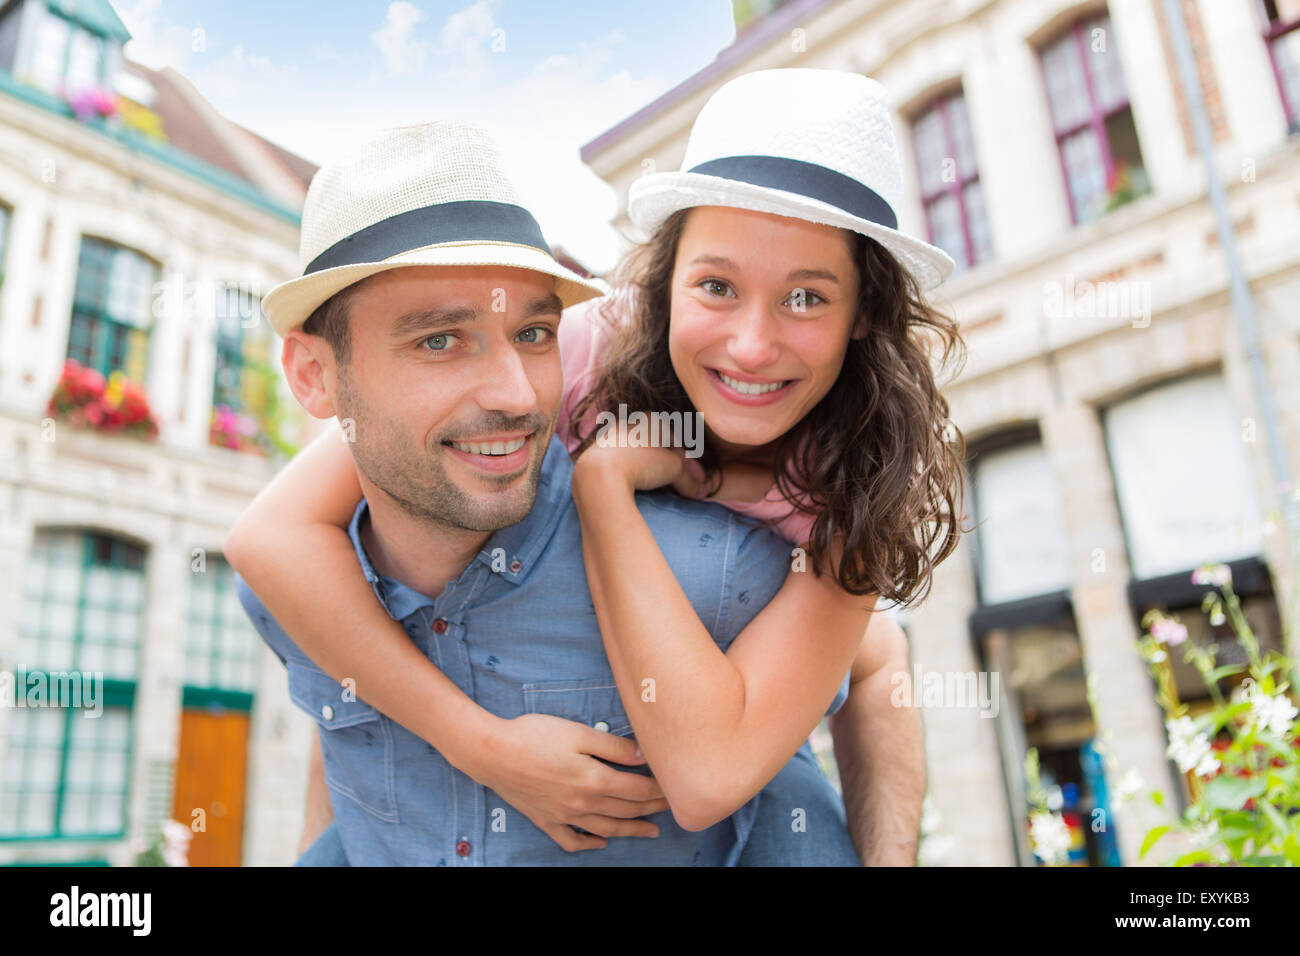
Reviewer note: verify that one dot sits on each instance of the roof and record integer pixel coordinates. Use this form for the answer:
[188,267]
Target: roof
[752,38]
[98,16]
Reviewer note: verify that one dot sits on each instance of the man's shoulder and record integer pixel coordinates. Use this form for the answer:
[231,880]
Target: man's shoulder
[684,524]
[267,627]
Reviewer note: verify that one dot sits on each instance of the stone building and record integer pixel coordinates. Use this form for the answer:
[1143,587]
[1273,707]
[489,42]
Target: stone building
[1113,440]
[138,231]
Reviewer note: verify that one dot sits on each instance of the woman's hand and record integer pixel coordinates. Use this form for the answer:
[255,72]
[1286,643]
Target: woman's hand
[643,469]
[640,469]
[545,768]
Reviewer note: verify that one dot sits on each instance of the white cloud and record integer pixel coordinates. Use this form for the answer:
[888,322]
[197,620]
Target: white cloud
[154,41]
[241,74]
[403,54]
[468,31]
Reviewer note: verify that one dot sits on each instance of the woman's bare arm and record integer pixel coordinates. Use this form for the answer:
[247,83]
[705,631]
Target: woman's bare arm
[720,725]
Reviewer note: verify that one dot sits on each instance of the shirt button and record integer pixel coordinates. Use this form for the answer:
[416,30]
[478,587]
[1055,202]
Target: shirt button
[462,847]
[327,712]
[516,566]
[601,726]
[440,626]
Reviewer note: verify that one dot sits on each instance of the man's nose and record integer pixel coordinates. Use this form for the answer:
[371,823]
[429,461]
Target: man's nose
[753,343]
[505,386]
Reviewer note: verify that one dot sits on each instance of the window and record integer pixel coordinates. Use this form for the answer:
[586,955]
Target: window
[243,348]
[65,768]
[1091,118]
[1182,478]
[111,309]
[1028,638]
[65,57]
[220,644]
[245,387]
[950,187]
[1282,34]
[1020,541]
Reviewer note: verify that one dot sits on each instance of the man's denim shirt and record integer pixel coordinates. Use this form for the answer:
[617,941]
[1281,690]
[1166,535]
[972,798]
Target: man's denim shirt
[516,631]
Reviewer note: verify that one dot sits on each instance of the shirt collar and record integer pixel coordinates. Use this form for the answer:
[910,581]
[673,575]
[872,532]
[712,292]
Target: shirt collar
[511,552]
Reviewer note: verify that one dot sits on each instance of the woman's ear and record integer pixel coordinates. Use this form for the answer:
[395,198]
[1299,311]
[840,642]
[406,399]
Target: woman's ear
[861,327]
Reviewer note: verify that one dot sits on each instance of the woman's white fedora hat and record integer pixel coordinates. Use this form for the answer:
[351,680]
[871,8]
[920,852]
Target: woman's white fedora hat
[807,144]
[433,194]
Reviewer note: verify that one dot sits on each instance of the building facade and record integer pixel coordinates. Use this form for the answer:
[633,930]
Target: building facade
[1113,442]
[138,231]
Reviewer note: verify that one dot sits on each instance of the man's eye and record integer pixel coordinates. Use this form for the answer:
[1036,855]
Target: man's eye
[536,335]
[712,285]
[440,342]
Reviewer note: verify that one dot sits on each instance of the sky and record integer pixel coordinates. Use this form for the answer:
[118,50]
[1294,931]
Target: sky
[542,77]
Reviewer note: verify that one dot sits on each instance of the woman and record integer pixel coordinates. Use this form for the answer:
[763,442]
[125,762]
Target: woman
[777,299]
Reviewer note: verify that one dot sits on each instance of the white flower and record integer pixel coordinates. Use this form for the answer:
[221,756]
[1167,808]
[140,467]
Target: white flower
[176,834]
[1050,837]
[1129,785]
[1188,746]
[934,849]
[1208,765]
[1214,574]
[1274,713]
[173,856]
[931,820]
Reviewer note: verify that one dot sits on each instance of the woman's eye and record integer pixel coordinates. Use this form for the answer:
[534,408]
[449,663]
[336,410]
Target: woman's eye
[715,287]
[440,342]
[801,299]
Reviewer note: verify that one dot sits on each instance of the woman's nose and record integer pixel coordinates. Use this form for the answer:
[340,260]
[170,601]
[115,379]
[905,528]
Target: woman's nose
[753,342]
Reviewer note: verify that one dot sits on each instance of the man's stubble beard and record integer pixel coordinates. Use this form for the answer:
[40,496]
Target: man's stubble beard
[415,478]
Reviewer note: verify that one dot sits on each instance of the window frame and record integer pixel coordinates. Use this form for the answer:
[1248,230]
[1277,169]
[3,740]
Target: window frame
[1273,30]
[940,106]
[104,328]
[1097,117]
[118,693]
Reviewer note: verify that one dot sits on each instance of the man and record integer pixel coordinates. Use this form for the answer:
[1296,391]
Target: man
[437,305]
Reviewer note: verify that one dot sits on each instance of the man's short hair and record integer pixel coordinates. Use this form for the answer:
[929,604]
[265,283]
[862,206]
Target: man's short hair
[330,322]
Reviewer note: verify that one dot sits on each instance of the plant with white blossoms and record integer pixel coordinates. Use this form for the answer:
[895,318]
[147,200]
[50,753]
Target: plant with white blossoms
[170,846]
[1245,791]
[1048,833]
[934,845]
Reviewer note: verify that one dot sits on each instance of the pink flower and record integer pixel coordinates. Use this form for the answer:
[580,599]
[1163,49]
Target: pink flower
[1168,631]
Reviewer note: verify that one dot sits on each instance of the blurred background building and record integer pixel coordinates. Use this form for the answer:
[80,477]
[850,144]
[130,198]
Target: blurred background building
[138,231]
[1112,438]
[1113,441]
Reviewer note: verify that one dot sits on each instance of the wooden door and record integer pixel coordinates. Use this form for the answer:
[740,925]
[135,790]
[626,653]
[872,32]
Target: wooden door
[210,775]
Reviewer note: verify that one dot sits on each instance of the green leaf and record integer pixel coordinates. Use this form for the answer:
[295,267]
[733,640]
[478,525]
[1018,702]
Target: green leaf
[1291,849]
[1196,856]
[1157,798]
[1274,818]
[1152,838]
[1231,793]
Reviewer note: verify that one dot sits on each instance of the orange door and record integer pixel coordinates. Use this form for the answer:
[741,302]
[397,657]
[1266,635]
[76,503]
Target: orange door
[210,777]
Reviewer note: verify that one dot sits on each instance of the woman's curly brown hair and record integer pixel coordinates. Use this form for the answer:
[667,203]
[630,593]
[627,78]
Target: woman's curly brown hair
[888,478]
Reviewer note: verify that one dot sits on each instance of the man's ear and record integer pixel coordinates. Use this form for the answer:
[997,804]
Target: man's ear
[308,363]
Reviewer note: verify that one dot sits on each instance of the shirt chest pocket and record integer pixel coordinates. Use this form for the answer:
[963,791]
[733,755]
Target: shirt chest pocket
[594,702]
[356,740]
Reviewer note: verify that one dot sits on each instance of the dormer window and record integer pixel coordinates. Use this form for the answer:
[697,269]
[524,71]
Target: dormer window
[67,46]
